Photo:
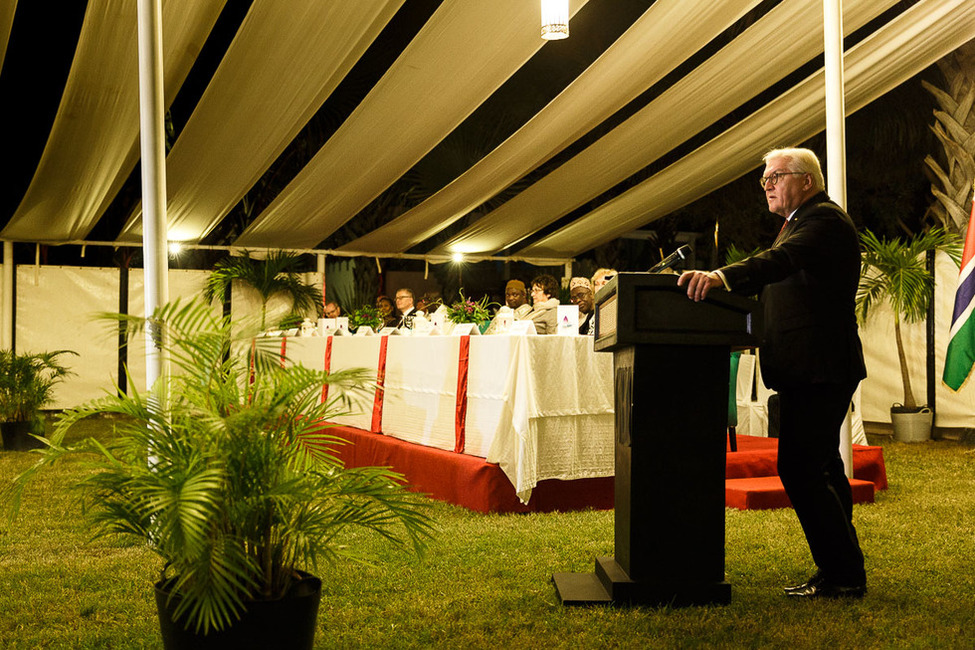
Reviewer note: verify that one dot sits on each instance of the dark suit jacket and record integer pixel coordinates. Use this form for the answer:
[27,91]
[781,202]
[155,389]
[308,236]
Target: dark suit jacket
[808,282]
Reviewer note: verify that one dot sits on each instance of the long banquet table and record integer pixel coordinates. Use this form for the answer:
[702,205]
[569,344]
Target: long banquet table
[541,407]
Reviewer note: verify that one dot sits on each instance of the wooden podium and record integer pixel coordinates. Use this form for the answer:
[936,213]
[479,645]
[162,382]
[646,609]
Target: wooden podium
[671,367]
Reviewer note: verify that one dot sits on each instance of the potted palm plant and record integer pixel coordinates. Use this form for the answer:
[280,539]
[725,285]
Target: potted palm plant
[894,272]
[227,473]
[26,386]
[275,274]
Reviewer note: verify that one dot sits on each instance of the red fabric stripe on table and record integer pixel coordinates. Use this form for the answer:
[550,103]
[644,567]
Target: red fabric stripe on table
[377,405]
[328,366]
[460,415]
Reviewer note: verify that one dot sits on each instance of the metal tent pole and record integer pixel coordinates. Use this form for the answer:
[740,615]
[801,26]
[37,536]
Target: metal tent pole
[154,230]
[836,152]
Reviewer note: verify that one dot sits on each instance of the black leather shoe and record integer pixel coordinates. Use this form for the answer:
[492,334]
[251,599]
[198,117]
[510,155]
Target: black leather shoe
[826,589]
[815,580]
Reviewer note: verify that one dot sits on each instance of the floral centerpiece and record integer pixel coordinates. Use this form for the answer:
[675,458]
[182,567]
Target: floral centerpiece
[368,316]
[470,311]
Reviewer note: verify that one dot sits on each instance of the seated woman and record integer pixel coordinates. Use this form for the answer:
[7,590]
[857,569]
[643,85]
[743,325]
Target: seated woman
[545,304]
[387,311]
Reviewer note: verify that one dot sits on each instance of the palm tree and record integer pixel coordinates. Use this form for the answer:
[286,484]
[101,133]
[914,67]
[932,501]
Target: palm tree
[276,273]
[243,488]
[895,272]
[955,129]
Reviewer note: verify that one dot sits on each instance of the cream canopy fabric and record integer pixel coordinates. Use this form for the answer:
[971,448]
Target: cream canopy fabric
[7,10]
[673,29]
[94,142]
[287,58]
[462,55]
[280,68]
[713,89]
[917,38]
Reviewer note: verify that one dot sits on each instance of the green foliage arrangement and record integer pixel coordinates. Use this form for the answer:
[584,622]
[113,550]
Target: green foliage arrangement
[27,383]
[735,254]
[895,272]
[276,273]
[466,310]
[366,315]
[227,473]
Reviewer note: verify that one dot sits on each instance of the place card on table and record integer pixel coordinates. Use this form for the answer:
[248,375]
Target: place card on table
[568,320]
[523,327]
[465,329]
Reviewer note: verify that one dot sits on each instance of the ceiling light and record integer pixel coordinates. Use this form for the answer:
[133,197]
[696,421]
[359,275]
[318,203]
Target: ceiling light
[457,257]
[555,19]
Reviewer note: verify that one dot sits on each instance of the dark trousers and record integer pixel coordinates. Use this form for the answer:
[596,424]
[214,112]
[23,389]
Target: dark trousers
[812,472]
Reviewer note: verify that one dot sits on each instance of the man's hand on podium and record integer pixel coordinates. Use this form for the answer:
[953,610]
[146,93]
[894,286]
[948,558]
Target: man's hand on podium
[699,283]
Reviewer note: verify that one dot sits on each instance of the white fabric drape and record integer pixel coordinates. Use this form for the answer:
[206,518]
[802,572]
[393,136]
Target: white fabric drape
[279,70]
[792,31]
[672,29]
[94,141]
[465,51]
[913,41]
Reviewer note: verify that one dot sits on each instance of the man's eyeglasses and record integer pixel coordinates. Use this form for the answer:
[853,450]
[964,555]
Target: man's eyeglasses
[773,178]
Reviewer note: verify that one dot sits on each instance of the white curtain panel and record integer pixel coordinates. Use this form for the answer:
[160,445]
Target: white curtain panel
[94,141]
[57,308]
[465,51]
[672,30]
[184,285]
[792,31]
[915,40]
[281,67]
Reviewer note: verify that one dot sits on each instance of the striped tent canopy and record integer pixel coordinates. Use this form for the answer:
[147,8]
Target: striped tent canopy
[422,127]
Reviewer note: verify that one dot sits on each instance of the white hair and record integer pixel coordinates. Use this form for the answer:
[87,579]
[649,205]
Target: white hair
[800,160]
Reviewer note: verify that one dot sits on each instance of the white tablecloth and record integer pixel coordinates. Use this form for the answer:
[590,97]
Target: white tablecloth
[541,407]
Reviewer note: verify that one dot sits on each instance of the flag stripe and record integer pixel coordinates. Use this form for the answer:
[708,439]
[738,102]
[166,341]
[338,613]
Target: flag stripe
[964,294]
[960,356]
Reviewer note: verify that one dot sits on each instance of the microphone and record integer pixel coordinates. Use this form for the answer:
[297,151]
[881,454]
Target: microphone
[673,259]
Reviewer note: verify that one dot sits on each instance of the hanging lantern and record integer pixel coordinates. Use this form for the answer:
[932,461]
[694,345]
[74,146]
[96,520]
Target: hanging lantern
[555,19]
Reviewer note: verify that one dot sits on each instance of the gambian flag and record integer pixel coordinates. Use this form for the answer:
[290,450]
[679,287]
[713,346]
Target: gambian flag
[961,341]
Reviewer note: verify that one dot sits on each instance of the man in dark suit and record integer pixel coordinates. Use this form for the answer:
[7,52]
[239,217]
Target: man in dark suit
[810,354]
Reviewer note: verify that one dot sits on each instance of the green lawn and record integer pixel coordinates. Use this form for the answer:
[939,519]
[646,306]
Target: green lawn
[485,582]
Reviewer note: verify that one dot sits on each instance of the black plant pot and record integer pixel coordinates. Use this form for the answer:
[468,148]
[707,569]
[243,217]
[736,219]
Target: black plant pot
[17,436]
[284,624]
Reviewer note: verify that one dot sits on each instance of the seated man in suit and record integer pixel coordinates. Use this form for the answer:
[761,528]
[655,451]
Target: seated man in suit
[811,355]
[405,310]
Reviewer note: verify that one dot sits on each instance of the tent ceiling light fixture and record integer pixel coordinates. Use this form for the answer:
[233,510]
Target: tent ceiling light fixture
[555,19]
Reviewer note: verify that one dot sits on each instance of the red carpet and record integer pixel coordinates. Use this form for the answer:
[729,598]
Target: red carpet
[472,483]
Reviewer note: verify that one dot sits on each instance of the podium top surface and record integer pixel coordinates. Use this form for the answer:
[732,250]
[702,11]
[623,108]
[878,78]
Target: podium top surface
[650,309]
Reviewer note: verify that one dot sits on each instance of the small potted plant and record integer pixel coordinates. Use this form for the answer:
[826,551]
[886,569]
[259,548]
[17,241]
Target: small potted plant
[466,310]
[225,471]
[366,316]
[894,272]
[26,386]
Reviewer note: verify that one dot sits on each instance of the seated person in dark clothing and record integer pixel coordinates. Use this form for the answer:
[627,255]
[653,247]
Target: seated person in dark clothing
[580,294]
